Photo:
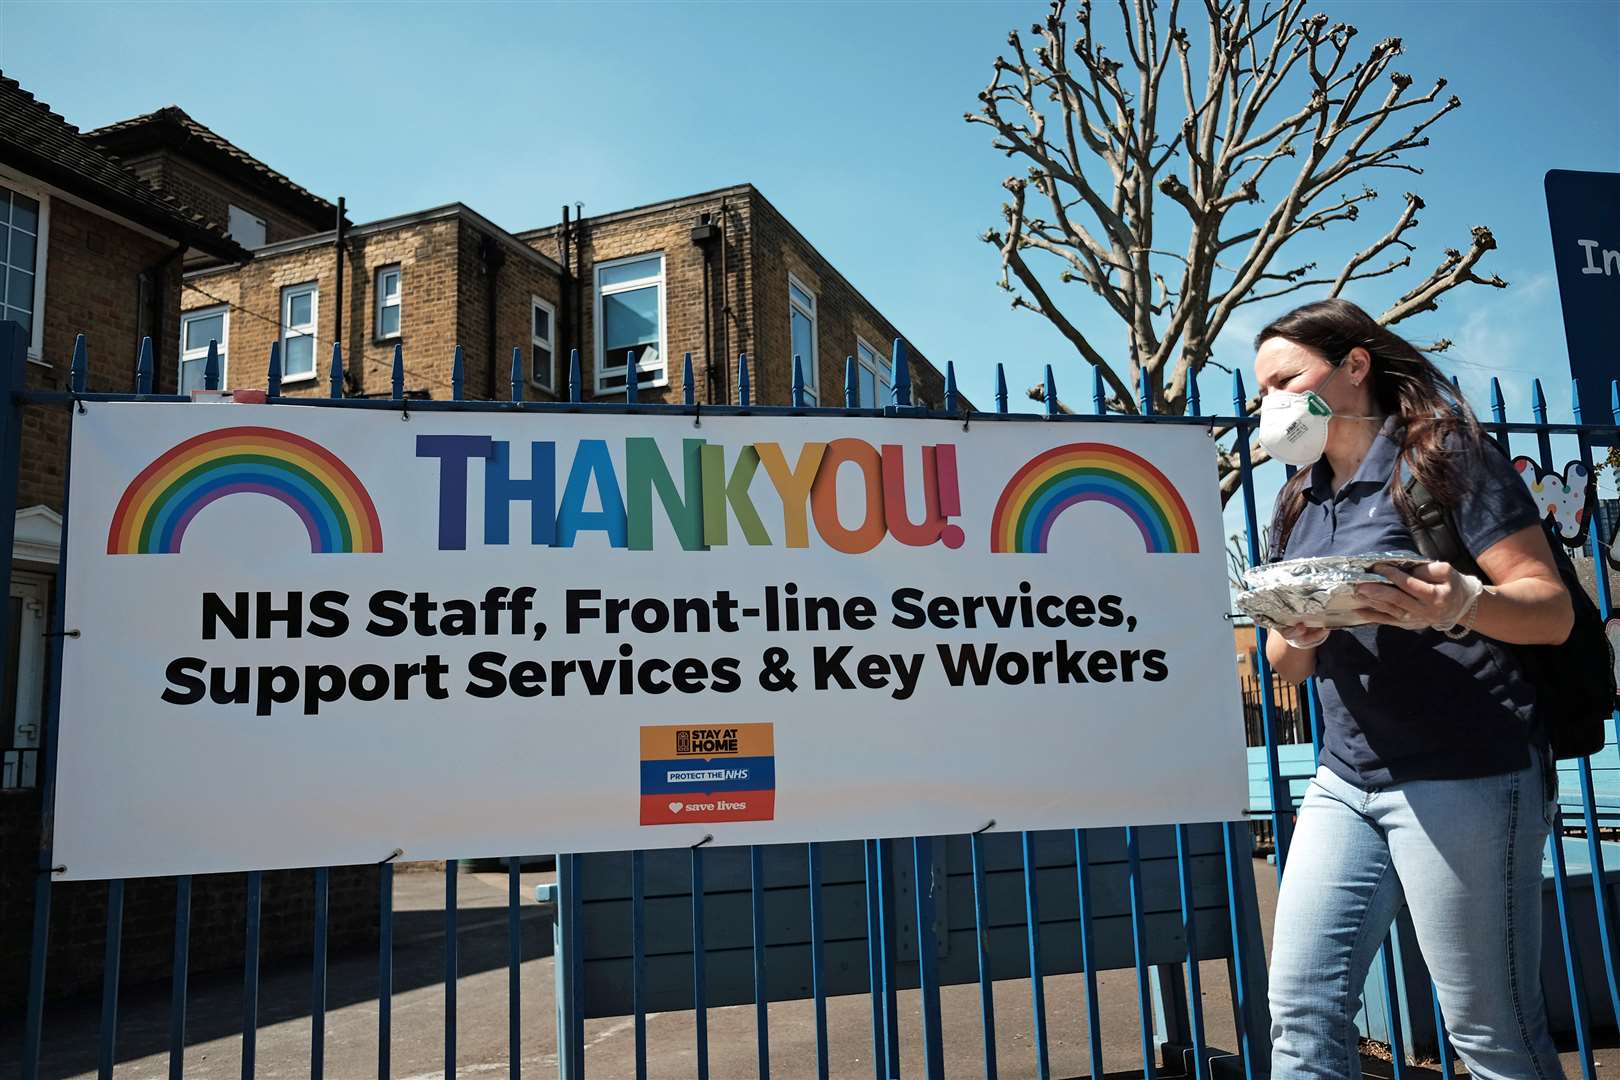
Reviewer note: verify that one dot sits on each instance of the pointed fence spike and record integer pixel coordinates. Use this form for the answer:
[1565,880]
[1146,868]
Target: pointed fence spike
[688,390]
[396,385]
[1498,407]
[80,369]
[515,376]
[1194,402]
[902,374]
[458,375]
[576,389]
[798,382]
[336,389]
[1051,392]
[632,385]
[742,379]
[211,366]
[1239,397]
[1099,393]
[1538,402]
[143,367]
[852,389]
[272,371]
[950,386]
[1001,387]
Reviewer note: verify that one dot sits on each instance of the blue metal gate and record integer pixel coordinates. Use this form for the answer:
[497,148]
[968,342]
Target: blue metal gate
[1179,894]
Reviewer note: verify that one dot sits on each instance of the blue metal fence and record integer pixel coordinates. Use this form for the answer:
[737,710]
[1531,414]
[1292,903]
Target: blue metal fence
[1169,998]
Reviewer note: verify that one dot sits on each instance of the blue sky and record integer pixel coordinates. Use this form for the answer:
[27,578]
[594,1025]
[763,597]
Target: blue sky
[848,116]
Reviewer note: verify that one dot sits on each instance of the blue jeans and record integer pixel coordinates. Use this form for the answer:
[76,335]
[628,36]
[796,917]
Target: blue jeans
[1465,857]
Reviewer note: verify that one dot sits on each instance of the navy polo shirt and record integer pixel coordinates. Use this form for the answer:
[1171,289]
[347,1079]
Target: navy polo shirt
[1413,704]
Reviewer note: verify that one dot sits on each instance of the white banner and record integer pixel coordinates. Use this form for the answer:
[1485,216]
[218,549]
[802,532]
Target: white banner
[311,636]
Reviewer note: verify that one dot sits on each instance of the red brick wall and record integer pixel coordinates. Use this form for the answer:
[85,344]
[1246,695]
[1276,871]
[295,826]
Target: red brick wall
[444,302]
[762,248]
[842,314]
[210,194]
[668,230]
[92,286]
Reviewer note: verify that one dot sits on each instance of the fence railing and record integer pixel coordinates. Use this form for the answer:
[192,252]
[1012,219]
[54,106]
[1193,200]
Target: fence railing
[1156,901]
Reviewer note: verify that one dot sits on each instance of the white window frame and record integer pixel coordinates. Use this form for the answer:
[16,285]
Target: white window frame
[662,378]
[42,244]
[549,344]
[231,211]
[383,302]
[34,590]
[885,383]
[287,330]
[810,364]
[223,310]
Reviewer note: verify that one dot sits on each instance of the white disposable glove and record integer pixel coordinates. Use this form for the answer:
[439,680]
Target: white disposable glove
[1433,594]
[1300,636]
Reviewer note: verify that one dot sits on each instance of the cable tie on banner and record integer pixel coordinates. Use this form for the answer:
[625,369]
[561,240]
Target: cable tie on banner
[404,409]
[697,413]
[396,854]
[709,837]
[79,403]
[986,827]
[966,416]
[59,869]
[63,633]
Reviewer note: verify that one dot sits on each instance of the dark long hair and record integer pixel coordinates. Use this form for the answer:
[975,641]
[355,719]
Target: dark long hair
[1437,429]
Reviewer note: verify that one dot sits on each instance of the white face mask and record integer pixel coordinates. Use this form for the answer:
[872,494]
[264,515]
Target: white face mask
[1294,427]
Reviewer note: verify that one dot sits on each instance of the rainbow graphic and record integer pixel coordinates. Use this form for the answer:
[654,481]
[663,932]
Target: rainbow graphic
[161,502]
[1090,472]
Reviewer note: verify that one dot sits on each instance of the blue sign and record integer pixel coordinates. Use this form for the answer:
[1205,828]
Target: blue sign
[1584,211]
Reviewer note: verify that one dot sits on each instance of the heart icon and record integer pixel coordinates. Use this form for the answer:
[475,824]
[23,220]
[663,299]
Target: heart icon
[676,807]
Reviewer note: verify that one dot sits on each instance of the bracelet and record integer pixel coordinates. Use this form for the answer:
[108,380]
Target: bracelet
[1464,625]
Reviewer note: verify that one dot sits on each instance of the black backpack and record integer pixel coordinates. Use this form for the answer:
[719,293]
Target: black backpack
[1574,681]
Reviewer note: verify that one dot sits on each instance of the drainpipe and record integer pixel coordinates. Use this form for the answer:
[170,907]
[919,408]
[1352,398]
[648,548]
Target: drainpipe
[725,311]
[152,279]
[489,249]
[708,332]
[704,235]
[579,289]
[337,322]
[565,322]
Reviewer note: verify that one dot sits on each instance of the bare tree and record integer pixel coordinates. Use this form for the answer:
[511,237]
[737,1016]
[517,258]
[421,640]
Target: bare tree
[1104,138]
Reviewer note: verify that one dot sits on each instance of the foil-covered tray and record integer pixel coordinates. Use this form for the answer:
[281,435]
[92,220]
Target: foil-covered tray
[1319,591]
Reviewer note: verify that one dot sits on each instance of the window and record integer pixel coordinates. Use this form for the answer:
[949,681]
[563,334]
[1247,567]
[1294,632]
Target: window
[542,351]
[245,228]
[22,698]
[23,229]
[388,301]
[871,375]
[298,304]
[802,314]
[197,329]
[630,320]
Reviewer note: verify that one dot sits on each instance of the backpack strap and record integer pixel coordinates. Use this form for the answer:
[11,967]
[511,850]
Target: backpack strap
[1431,525]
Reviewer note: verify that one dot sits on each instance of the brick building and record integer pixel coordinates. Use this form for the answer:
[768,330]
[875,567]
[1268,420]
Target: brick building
[715,275]
[226,186]
[158,227]
[88,247]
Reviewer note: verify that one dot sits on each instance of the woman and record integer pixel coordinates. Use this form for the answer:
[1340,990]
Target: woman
[1435,786]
